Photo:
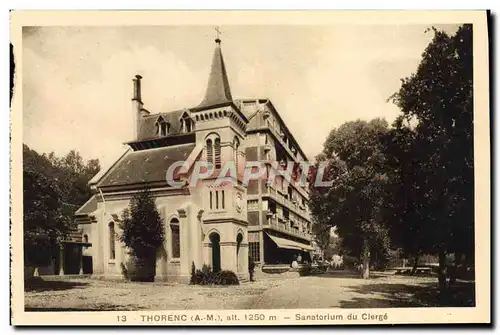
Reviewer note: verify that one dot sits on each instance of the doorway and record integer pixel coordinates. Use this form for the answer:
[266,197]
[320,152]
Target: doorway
[215,241]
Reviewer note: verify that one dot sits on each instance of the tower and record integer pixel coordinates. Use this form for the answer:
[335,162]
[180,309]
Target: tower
[220,129]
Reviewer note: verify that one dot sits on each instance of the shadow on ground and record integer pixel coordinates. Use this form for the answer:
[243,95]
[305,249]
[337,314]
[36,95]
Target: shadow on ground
[343,274]
[100,307]
[40,285]
[404,295]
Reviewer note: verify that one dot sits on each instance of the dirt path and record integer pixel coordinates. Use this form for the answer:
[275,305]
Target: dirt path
[322,291]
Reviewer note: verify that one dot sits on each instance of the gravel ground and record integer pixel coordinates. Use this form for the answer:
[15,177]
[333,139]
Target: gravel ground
[92,294]
[321,291]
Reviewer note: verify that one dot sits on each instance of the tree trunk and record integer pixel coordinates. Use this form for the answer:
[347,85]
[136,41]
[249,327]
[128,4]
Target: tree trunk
[366,261]
[415,265]
[442,273]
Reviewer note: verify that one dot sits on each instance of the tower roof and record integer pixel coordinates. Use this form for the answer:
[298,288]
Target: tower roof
[218,91]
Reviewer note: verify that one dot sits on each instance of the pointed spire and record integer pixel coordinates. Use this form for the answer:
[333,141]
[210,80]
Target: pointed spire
[218,91]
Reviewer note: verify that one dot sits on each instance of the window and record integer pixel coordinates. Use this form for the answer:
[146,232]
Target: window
[217,154]
[222,193]
[162,127]
[236,146]
[214,150]
[211,196]
[186,123]
[254,248]
[176,238]
[216,199]
[111,240]
[210,151]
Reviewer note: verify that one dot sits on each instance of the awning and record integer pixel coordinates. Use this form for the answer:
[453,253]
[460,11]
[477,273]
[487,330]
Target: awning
[289,244]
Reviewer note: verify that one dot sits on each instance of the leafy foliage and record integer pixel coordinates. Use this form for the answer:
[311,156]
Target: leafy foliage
[411,186]
[431,149]
[53,189]
[353,204]
[142,226]
[206,276]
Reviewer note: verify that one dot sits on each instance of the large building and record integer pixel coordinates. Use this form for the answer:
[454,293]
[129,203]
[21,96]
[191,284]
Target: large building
[204,223]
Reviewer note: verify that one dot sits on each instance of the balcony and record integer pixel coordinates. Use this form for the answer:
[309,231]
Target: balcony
[279,198]
[273,224]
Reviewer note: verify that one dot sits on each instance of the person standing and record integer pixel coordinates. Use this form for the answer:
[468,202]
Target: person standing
[251,267]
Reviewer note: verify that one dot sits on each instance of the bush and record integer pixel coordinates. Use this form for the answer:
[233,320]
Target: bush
[226,277]
[206,276]
[349,262]
[192,281]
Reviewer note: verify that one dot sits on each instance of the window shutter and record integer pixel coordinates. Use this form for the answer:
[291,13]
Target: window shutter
[217,154]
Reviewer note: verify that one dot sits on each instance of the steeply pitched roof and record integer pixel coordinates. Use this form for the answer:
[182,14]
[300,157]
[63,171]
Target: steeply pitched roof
[147,127]
[218,90]
[89,207]
[146,165]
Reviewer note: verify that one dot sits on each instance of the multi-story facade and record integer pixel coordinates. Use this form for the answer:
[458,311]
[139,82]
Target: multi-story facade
[279,226]
[205,223]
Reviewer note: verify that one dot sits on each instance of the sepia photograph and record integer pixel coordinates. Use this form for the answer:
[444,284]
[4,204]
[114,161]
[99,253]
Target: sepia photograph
[277,169]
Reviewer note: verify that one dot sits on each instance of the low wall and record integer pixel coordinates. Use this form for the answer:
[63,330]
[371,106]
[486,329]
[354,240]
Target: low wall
[281,271]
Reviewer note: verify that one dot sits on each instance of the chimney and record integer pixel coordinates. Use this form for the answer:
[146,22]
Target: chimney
[137,106]
[137,87]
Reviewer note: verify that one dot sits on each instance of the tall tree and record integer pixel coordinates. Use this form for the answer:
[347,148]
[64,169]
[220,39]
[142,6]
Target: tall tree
[355,162]
[52,191]
[437,108]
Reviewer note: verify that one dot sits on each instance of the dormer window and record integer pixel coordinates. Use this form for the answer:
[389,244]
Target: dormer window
[162,127]
[186,123]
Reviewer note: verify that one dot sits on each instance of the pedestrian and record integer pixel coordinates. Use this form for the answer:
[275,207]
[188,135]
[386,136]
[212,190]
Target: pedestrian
[251,267]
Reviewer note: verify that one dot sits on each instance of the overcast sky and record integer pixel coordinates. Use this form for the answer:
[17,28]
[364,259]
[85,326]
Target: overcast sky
[77,82]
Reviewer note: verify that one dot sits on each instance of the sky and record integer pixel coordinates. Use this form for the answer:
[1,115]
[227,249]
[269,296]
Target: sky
[77,81]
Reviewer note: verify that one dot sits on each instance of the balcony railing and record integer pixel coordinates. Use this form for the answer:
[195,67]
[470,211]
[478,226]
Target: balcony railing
[285,202]
[274,224]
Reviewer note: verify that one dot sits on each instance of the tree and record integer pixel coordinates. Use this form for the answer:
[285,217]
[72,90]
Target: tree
[142,233]
[355,162]
[52,192]
[322,237]
[437,110]
[403,213]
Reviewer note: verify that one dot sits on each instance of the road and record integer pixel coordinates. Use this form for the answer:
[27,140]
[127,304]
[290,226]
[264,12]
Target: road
[326,291]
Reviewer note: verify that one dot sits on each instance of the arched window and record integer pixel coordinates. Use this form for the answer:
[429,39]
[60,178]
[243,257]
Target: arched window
[236,147]
[186,123]
[210,151]
[162,127]
[175,238]
[112,236]
[214,150]
[217,153]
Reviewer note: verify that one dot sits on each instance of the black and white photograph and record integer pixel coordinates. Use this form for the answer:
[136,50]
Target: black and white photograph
[335,172]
